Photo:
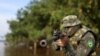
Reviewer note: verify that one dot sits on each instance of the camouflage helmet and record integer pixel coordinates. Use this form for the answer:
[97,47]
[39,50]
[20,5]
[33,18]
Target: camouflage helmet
[70,20]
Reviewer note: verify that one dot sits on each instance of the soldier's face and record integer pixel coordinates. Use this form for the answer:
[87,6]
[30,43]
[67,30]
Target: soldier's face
[67,29]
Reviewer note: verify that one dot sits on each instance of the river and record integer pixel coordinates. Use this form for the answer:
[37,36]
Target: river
[2,49]
[25,51]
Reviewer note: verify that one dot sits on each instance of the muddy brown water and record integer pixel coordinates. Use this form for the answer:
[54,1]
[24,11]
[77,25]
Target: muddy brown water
[23,51]
[26,51]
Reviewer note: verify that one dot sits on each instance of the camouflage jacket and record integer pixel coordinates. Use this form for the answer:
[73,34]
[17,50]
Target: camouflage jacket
[83,42]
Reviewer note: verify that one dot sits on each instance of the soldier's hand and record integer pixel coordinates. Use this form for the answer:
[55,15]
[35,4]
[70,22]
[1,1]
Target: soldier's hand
[59,43]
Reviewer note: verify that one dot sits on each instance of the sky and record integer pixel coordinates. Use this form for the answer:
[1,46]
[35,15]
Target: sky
[8,10]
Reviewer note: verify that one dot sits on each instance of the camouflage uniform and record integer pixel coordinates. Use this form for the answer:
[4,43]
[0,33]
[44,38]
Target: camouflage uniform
[82,42]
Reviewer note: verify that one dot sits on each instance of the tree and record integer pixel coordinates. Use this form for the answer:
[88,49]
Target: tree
[42,17]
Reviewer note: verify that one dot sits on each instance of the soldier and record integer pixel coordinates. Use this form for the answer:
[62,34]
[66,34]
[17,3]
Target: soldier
[82,41]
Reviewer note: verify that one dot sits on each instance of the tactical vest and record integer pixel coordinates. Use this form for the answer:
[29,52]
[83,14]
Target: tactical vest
[78,35]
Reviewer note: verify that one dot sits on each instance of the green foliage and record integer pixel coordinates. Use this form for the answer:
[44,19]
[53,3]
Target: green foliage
[40,18]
